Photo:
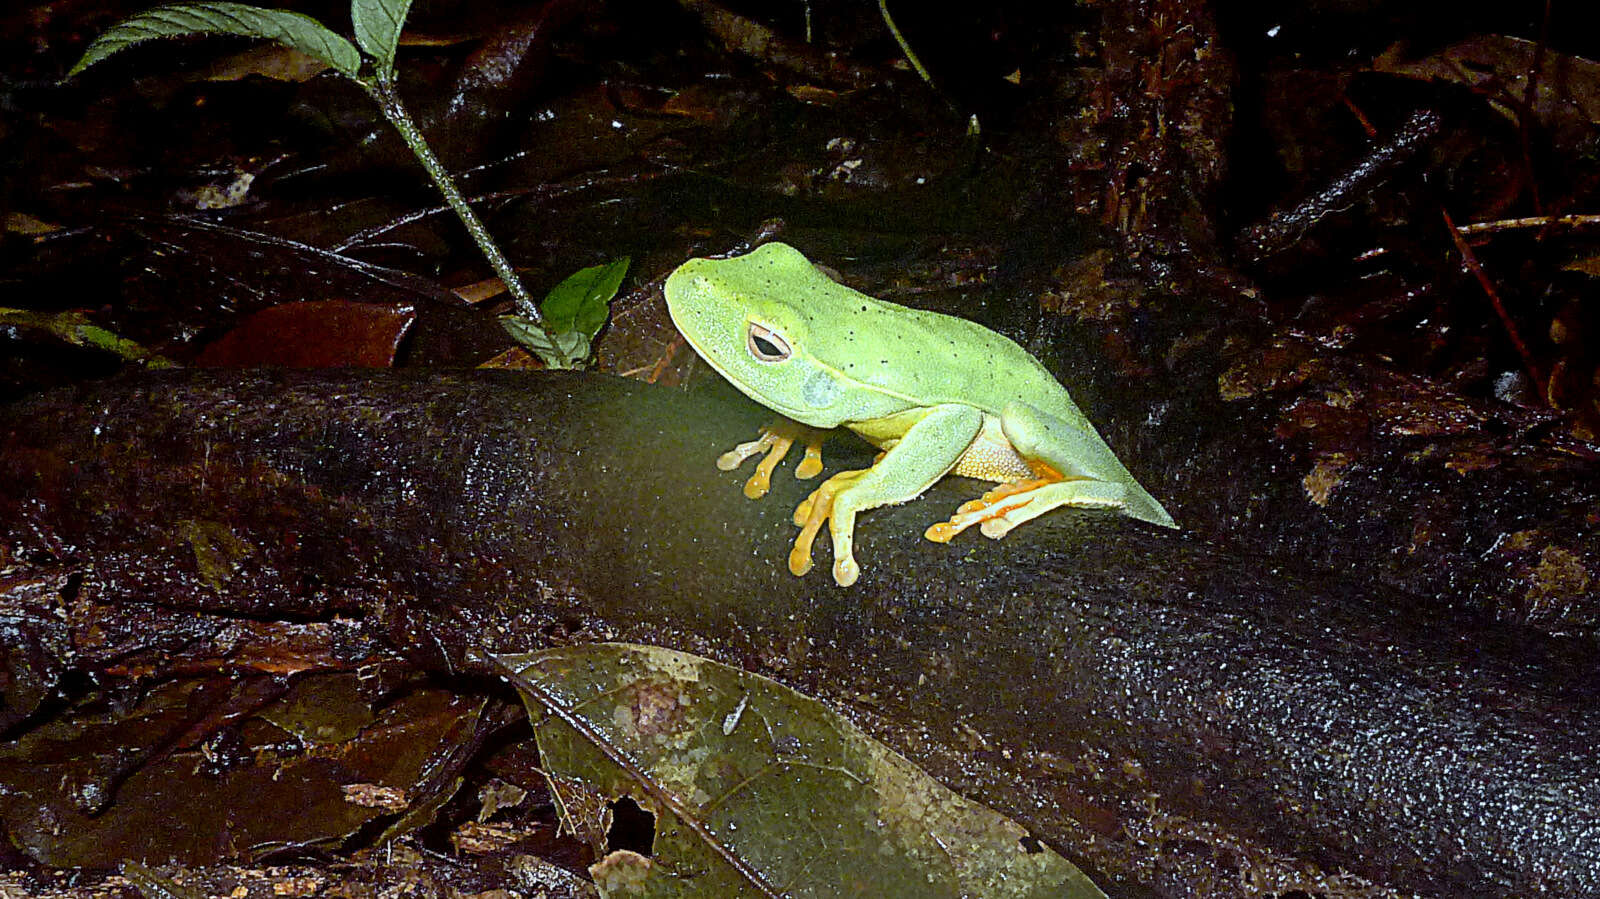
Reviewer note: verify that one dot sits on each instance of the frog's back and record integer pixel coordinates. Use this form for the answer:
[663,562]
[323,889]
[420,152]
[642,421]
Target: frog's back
[933,358]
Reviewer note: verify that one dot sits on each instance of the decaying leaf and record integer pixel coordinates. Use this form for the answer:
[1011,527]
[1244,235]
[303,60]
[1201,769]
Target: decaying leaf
[1498,67]
[758,790]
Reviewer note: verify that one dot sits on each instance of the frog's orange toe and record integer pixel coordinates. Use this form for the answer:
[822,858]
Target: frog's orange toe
[802,512]
[995,528]
[810,515]
[846,571]
[758,485]
[811,465]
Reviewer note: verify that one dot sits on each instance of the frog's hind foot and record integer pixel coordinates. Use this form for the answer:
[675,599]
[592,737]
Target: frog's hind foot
[981,509]
[1011,504]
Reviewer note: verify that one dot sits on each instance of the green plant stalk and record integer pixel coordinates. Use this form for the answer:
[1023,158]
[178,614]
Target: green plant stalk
[382,90]
[905,47]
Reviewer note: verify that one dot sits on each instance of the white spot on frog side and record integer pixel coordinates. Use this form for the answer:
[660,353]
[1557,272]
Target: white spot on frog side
[819,391]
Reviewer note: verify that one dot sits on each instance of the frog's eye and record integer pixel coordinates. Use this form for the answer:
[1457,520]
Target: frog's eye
[766,344]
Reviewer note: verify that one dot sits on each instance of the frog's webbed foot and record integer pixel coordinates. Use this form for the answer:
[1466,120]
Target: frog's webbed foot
[775,441]
[1011,504]
[810,515]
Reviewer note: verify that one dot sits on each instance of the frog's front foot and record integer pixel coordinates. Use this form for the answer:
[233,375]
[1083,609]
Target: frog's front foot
[775,441]
[811,514]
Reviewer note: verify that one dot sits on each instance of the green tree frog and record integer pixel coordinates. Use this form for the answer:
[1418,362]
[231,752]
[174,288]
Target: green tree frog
[937,394]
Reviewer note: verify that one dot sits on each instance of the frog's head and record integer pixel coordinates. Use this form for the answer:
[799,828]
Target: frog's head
[753,318]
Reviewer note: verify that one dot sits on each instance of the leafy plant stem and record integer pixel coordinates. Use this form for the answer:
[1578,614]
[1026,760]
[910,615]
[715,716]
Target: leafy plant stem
[905,47]
[381,88]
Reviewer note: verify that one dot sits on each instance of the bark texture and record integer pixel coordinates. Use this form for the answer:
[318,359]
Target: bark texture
[1128,692]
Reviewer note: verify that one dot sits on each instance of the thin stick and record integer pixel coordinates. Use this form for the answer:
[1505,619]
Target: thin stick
[1494,300]
[1532,221]
[1530,99]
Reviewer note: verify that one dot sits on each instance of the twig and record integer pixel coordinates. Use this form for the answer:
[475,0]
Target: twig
[1530,97]
[1286,227]
[1532,221]
[1494,300]
[382,90]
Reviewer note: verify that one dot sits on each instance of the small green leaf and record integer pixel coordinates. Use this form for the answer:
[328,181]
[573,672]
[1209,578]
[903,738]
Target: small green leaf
[574,312]
[377,26]
[563,350]
[582,303]
[292,29]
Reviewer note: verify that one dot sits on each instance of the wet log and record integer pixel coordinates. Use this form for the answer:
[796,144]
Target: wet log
[1129,693]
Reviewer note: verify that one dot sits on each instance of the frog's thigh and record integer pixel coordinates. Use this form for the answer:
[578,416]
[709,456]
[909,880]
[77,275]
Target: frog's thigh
[1067,449]
[1035,435]
[927,451]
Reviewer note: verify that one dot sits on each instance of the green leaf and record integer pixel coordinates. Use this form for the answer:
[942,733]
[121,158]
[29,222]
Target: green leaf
[292,29]
[757,790]
[377,26]
[574,312]
[582,303]
[562,350]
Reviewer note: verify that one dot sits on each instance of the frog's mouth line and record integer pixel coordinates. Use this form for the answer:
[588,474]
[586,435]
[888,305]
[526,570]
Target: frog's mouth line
[806,415]
[811,414]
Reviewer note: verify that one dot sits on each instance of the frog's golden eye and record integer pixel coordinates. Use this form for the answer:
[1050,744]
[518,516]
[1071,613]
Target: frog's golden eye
[766,344]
